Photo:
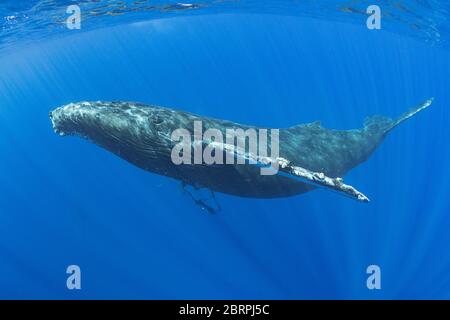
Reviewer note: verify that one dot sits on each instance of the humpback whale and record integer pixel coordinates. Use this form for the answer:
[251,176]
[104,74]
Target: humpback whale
[310,156]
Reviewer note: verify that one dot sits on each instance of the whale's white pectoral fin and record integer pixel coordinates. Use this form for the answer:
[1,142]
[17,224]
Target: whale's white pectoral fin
[284,167]
[334,184]
[319,179]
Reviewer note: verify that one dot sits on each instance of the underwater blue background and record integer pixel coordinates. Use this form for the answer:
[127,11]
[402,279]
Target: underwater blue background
[135,235]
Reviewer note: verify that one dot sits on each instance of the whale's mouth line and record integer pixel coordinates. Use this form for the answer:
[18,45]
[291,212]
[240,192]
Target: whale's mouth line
[64,117]
[55,123]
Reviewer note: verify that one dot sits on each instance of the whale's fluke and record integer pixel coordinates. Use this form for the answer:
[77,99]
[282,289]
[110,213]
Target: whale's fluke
[410,113]
[386,124]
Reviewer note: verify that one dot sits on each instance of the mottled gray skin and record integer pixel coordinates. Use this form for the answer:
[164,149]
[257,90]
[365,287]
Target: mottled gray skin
[141,134]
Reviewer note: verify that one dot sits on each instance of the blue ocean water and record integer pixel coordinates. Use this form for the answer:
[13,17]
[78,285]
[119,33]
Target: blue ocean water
[135,235]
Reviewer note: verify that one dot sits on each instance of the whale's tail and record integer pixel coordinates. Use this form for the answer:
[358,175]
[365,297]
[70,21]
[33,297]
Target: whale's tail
[410,113]
[385,125]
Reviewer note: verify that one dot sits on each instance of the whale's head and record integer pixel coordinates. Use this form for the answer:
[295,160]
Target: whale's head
[123,128]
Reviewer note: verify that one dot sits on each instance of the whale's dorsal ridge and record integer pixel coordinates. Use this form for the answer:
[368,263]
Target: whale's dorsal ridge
[377,120]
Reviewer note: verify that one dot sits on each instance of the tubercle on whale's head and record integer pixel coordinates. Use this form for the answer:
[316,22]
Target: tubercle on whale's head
[107,122]
[76,118]
[62,120]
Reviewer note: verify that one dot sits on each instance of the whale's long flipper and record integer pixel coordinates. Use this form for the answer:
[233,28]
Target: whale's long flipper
[284,167]
[319,179]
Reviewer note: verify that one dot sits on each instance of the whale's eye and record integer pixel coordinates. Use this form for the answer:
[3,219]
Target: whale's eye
[157,119]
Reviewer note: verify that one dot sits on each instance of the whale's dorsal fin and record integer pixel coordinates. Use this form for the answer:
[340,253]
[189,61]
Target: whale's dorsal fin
[315,124]
[312,125]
